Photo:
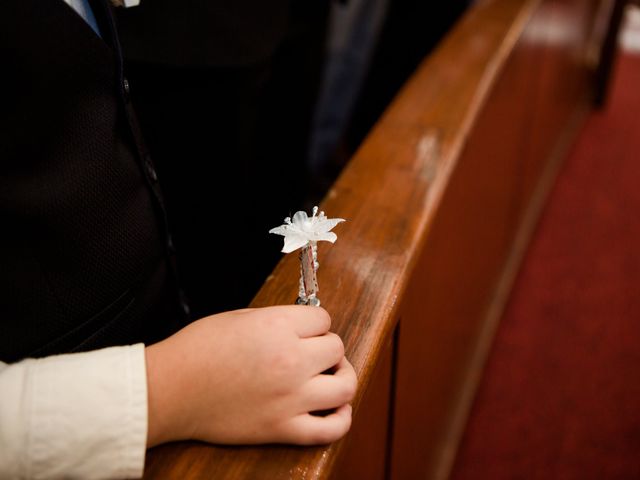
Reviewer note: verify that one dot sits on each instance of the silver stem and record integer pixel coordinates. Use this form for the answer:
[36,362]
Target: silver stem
[308,290]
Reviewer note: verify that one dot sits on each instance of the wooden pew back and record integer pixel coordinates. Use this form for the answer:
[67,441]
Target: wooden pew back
[440,200]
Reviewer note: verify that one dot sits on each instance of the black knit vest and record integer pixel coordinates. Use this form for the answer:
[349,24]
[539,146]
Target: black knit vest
[84,260]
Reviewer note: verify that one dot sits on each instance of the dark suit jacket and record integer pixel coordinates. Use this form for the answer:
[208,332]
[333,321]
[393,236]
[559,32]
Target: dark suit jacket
[83,245]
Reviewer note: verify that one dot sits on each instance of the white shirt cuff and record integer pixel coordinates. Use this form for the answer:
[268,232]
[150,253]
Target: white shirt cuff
[80,415]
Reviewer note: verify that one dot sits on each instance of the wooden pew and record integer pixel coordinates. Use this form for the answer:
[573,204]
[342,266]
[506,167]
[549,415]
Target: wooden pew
[440,200]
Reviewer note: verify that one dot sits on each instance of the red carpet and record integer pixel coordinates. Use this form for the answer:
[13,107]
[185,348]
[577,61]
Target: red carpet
[560,398]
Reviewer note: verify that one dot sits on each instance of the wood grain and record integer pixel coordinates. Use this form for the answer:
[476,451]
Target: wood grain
[434,199]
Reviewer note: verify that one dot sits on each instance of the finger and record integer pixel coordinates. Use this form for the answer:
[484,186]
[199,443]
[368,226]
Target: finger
[309,321]
[307,429]
[344,367]
[305,321]
[325,392]
[323,352]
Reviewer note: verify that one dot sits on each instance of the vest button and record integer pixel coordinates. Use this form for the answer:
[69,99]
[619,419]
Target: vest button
[126,88]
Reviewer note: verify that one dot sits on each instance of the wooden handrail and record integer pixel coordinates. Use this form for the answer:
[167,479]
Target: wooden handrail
[390,193]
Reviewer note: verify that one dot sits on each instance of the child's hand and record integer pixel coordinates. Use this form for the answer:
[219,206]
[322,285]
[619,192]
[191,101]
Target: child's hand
[251,376]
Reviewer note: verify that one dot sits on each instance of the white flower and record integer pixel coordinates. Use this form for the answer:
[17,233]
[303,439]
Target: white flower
[304,230]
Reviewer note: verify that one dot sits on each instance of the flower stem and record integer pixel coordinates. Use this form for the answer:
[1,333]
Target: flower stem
[308,293]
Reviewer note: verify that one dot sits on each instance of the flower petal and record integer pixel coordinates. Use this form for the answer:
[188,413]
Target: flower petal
[293,242]
[281,230]
[327,224]
[300,218]
[326,236]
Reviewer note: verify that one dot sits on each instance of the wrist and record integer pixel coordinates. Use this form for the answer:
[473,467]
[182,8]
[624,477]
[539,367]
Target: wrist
[167,388]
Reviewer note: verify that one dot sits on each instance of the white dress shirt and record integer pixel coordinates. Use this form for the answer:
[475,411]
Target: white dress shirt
[81,415]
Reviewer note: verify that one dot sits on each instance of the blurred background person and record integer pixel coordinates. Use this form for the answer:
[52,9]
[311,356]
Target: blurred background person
[373,47]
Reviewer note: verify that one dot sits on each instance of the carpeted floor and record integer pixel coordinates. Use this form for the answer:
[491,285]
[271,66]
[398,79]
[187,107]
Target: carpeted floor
[561,394]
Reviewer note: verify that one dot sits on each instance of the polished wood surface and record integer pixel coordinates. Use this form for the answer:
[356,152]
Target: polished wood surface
[450,311]
[435,199]
[365,453]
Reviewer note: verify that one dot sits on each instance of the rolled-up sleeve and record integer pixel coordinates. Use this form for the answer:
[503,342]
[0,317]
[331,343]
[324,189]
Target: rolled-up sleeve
[80,415]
